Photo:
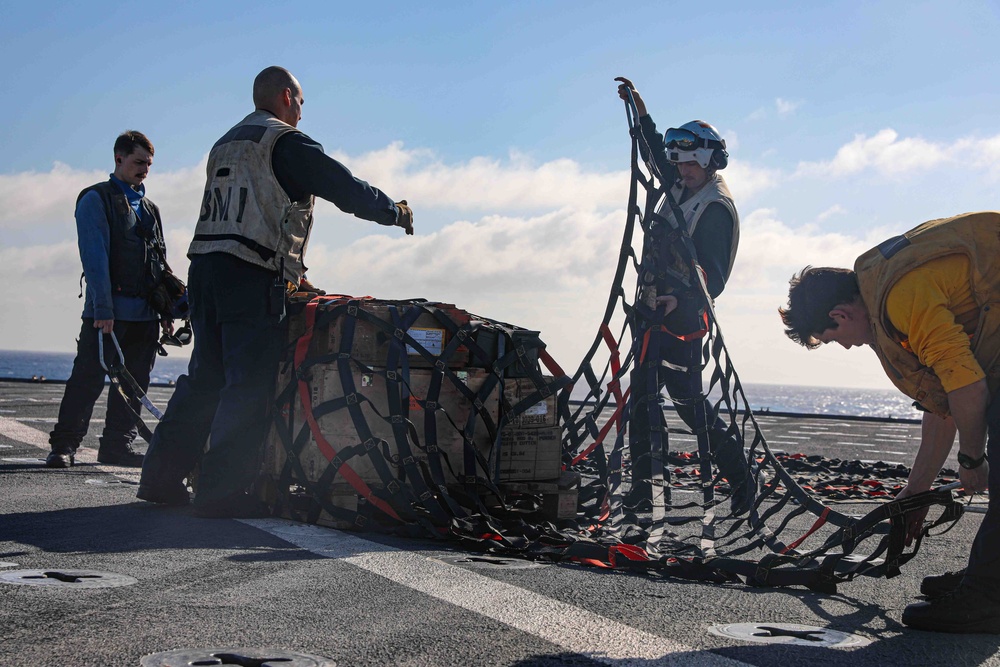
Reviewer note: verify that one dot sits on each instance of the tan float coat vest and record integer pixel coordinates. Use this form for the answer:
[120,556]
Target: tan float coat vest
[976,235]
[245,212]
[715,190]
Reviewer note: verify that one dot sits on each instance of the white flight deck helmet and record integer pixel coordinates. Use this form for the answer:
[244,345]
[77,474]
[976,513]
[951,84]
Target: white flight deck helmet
[696,141]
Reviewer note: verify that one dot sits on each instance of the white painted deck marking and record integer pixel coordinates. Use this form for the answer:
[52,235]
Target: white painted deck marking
[574,629]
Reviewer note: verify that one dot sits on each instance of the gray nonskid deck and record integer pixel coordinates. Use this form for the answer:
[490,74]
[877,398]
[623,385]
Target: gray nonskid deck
[359,599]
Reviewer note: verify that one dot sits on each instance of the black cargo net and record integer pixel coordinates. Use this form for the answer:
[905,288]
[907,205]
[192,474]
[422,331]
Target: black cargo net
[419,418]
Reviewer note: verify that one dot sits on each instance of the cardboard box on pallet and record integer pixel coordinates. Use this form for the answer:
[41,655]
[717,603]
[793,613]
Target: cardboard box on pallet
[371,344]
[530,454]
[539,415]
[449,417]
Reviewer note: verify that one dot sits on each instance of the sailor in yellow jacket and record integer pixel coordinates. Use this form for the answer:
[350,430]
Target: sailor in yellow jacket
[928,303]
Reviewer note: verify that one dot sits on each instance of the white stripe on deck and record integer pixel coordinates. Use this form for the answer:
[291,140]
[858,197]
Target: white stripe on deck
[572,628]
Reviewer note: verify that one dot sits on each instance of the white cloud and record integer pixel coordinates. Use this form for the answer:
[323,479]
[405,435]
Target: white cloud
[887,154]
[486,183]
[836,209]
[40,198]
[786,107]
[746,180]
[770,253]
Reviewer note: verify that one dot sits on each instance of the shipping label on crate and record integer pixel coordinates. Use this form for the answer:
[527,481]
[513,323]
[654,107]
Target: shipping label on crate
[370,344]
[431,340]
[538,415]
[530,454]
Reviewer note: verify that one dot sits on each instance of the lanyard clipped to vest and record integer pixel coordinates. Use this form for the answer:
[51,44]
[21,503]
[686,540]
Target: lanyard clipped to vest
[276,293]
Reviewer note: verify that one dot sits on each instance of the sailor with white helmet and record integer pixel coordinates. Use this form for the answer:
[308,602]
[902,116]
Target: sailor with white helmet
[687,159]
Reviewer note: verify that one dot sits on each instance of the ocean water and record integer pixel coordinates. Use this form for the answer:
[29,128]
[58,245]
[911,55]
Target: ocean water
[58,365]
[775,398]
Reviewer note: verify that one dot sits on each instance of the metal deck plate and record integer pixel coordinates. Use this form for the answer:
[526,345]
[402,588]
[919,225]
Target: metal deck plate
[485,562]
[66,578]
[234,657]
[788,633]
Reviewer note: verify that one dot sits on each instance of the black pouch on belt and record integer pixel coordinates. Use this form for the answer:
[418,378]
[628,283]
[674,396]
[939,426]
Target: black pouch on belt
[276,293]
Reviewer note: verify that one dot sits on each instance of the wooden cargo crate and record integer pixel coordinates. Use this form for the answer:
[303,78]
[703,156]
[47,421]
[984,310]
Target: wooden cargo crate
[452,412]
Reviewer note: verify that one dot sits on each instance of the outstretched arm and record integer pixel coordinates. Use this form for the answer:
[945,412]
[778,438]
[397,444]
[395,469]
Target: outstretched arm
[303,168]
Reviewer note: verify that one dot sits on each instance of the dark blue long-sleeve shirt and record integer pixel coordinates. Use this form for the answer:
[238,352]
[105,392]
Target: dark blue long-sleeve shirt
[303,168]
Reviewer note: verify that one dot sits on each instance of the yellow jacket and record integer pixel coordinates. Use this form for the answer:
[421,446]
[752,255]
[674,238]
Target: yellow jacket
[913,338]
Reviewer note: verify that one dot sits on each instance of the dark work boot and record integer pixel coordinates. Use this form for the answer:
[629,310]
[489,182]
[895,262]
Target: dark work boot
[968,609]
[119,455]
[61,456]
[936,586]
[172,494]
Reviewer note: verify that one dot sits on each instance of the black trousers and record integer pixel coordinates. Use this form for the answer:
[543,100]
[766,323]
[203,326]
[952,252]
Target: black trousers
[648,433]
[984,559]
[86,382]
[226,396]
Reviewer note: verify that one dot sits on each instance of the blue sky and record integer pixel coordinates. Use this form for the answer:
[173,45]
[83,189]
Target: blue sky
[500,124]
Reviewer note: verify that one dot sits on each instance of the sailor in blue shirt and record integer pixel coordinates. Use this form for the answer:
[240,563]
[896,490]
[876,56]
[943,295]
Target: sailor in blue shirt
[123,254]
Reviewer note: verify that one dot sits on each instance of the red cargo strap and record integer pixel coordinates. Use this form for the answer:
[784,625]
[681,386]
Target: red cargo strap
[816,526]
[629,551]
[616,388]
[301,349]
[615,417]
[551,364]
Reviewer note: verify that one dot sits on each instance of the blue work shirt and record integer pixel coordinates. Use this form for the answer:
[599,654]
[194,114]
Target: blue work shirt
[93,230]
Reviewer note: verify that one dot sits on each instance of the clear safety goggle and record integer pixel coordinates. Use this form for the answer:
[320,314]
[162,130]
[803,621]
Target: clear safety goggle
[677,139]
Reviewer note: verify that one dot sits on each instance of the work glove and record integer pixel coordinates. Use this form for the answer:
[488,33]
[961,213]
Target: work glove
[404,217]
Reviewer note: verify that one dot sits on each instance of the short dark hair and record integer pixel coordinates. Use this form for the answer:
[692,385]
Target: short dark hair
[812,294]
[128,140]
[271,82]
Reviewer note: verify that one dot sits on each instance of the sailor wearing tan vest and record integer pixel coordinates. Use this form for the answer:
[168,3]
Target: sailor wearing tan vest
[250,241]
[687,161]
[928,303]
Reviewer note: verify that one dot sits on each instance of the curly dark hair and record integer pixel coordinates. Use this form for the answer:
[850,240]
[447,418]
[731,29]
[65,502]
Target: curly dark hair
[812,294]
